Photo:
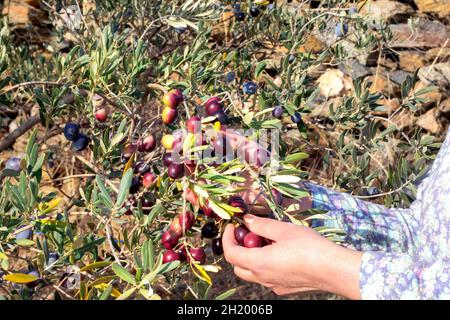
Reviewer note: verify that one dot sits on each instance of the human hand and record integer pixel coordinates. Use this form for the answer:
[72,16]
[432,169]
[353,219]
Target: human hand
[257,199]
[298,260]
[252,194]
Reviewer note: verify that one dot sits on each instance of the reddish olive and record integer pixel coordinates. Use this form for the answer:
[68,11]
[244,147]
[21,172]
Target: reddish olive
[186,220]
[252,240]
[168,115]
[101,115]
[198,254]
[149,179]
[176,228]
[194,124]
[171,100]
[169,239]
[207,210]
[170,256]
[179,94]
[147,144]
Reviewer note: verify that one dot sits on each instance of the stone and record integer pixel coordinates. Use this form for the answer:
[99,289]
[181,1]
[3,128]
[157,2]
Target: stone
[399,76]
[402,120]
[439,7]
[387,62]
[320,106]
[426,34]
[391,11]
[22,13]
[365,56]
[412,60]
[429,121]
[354,69]
[381,82]
[333,83]
[440,54]
[388,107]
[444,107]
[312,44]
[437,74]
[431,97]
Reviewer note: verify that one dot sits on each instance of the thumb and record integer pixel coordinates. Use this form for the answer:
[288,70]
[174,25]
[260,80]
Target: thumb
[265,227]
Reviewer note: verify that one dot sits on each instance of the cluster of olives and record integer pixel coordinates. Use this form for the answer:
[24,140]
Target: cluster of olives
[79,140]
[143,175]
[170,238]
[209,230]
[173,142]
[240,15]
[171,100]
[249,239]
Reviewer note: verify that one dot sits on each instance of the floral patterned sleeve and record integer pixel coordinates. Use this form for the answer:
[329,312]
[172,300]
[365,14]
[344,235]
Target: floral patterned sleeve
[368,226]
[402,276]
[425,272]
[406,252]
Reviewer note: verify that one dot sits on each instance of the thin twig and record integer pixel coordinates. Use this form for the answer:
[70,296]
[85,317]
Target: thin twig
[24,127]
[27,84]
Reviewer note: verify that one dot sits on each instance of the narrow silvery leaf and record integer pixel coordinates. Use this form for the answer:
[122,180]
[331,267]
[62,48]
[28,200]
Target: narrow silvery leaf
[124,188]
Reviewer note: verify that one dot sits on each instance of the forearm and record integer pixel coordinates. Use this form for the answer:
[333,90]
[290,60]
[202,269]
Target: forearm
[368,226]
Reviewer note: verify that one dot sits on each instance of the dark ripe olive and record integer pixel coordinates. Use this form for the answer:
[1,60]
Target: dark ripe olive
[216,246]
[175,171]
[147,144]
[238,202]
[136,184]
[71,131]
[209,230]
[240,233]
[277,196]
[148,200]
[213,107]
[81,142]
[167,159]
[141,168]
[277,112]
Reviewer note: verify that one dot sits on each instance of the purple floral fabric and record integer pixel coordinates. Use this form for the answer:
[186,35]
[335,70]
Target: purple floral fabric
[405,251]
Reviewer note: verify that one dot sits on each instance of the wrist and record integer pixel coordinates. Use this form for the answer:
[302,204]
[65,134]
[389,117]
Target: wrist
[341,274]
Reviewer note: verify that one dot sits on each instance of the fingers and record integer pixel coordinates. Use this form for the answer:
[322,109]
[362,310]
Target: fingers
[249,276]
[282,291]
[265,227]
[237,255]
[244,274]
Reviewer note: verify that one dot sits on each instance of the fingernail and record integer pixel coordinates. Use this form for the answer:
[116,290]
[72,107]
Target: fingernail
[248,218]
